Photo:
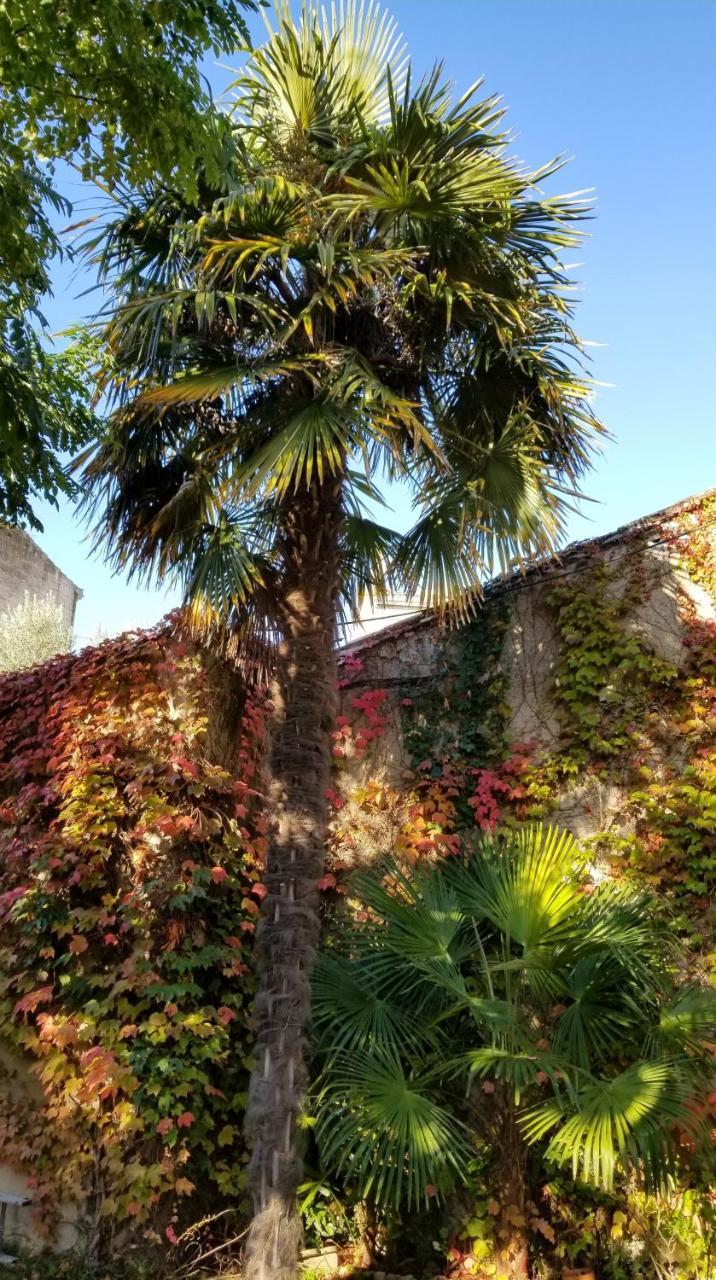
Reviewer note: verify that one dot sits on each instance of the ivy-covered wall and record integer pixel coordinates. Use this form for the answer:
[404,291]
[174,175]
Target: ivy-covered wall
[130,854]
[584,691]
[132,835]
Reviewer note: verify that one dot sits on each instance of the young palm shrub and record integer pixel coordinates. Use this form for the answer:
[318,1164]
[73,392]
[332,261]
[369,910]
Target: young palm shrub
[501,996]
[375,293]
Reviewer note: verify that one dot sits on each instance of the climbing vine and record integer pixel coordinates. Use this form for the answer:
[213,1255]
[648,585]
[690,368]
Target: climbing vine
[130,866]
[607,681]
[130,863]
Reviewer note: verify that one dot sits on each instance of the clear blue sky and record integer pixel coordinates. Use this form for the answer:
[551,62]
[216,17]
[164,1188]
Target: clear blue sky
[627,88]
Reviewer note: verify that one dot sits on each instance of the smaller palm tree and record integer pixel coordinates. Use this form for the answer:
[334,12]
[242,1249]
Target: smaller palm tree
[502,997]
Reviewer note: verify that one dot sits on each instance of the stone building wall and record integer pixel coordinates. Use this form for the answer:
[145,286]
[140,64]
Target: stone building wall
[26,570]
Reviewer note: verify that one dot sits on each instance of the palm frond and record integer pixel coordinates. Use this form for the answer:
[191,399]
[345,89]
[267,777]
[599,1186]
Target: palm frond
[352,1011]
[518,1068]
[420,912]
[687,1022]
[604,1004]
[385,1133]
[524,883]
[223,381]
[367,553]
[434,562]
[622,1122]
[312,76]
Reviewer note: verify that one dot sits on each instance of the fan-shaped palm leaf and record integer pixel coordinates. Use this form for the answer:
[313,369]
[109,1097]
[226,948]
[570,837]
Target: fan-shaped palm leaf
[352,1010]
[622,1122]
[385,1132]
[524,883]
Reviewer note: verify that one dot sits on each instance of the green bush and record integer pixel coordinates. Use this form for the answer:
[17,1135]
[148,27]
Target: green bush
[31,632]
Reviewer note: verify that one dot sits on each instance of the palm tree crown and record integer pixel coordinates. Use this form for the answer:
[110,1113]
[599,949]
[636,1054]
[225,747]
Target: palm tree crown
[375,294]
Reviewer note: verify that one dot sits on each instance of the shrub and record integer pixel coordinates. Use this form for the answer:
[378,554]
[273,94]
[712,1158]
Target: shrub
[31,632]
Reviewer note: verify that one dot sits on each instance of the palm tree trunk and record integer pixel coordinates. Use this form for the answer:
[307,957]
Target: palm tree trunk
[366,1221]
[304,705]
[514,1242]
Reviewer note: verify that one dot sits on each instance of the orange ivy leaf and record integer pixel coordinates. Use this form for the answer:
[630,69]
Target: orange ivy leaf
[544,1227]
[29,1003]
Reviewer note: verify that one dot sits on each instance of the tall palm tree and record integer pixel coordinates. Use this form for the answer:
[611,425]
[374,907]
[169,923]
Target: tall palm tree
[499,996]
[374,295]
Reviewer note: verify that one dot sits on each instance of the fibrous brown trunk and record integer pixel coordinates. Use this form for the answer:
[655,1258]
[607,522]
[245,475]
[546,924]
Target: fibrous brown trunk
[304,705]
[512,1234]
[366,1221]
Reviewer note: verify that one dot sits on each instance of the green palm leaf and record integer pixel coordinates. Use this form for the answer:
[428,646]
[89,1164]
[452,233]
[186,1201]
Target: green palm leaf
[524,883]
[621,1122]
[352,1010]
[687,1022]
[384,1132]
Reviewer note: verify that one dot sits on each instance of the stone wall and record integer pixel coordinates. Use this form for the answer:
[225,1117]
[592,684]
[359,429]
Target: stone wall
[420,666]
[26,570]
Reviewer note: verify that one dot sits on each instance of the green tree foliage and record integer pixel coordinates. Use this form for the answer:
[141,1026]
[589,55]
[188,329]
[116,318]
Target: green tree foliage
[114,86]
[374,292]
[500,995]
[44,407]
[44,413]
[115,83]
[31,632]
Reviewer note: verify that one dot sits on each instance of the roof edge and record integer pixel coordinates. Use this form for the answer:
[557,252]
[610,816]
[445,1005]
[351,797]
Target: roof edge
[504,582]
